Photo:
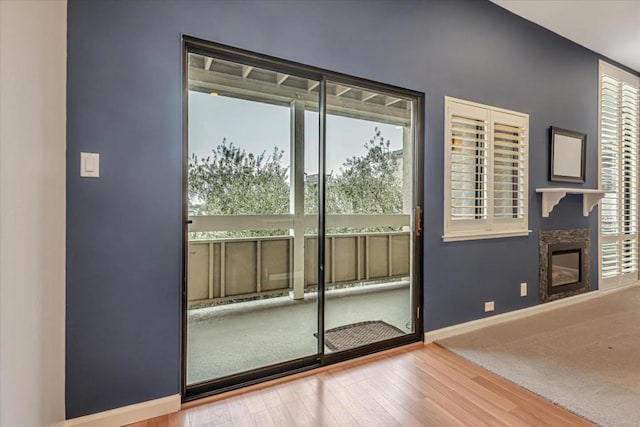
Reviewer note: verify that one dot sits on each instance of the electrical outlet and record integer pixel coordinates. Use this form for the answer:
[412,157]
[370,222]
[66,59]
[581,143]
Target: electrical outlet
[523,289]
[489,306]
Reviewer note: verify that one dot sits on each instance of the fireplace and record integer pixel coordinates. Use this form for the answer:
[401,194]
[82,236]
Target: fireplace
[564,264]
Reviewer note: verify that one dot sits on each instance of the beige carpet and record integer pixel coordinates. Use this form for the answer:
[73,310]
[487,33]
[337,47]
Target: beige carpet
[584,357]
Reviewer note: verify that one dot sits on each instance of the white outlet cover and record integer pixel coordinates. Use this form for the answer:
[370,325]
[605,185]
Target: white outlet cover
[489,306]
[523,289]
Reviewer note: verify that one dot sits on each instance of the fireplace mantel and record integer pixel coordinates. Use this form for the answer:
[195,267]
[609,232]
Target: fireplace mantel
[552,196]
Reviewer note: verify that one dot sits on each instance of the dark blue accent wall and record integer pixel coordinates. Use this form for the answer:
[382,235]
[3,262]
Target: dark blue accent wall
[124,101]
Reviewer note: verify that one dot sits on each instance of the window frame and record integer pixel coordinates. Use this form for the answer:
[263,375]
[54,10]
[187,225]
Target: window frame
[489,227]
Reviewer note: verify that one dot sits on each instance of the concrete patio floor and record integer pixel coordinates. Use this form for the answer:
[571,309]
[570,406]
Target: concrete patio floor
[238,337]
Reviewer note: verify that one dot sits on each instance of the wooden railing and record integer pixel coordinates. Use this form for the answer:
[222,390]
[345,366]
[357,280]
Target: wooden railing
[234,267]
[287,221]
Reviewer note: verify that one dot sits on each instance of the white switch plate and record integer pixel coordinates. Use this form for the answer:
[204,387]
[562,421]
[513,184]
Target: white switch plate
[90,165]
[523,289]
[489,306]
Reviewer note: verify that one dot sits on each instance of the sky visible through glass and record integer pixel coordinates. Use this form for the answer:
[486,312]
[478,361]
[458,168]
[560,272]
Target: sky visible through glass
[258,127]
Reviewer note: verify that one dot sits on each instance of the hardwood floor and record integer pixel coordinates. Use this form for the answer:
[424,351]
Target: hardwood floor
[416,386]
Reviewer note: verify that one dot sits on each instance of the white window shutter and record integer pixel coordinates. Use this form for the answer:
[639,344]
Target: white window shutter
[619,122]
[468,168]
[486,182]
[510,181]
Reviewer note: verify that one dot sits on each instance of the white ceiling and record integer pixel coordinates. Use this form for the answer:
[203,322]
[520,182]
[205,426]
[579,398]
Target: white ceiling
[609,27]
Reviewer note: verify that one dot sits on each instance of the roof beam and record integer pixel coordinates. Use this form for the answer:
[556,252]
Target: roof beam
[312,84]
[367,95]
[390,101]
[280,78]
[235,85]
[341,90]
[246,70]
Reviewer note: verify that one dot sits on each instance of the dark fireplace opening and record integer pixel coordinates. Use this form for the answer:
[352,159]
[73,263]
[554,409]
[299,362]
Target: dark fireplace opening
[565,267]
[564,263]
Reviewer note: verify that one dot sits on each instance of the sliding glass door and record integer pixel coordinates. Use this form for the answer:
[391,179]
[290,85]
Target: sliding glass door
[300,225]
[369,207]
[248,157]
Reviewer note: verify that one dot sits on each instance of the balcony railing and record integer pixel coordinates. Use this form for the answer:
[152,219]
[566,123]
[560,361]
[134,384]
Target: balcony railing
[249,266]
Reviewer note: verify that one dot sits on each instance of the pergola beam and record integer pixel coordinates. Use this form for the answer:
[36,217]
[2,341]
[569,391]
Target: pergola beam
[391,101]
[367,95]
[341,90]
[280,78]
[227,84]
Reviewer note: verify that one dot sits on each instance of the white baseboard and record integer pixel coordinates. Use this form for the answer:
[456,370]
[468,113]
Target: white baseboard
[473,325]
[610,287]
[129,414]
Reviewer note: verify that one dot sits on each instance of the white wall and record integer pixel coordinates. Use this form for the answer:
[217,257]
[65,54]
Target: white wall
[33,57]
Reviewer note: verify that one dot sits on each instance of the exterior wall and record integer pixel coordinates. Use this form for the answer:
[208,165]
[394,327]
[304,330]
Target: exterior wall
[125,102]
[33,60]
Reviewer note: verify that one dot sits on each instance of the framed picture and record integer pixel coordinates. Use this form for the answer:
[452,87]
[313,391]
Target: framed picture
[567,155]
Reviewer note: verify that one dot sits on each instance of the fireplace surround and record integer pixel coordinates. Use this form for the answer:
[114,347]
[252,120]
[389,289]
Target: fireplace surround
[563,263]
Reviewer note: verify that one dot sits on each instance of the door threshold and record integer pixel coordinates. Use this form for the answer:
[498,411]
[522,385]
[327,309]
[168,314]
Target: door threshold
[298,375]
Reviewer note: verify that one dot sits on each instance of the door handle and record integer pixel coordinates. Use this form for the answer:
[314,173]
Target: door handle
[418,221]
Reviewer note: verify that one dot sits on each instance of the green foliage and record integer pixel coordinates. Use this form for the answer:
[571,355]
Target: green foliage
[369,184]
[233,182]
[366,184]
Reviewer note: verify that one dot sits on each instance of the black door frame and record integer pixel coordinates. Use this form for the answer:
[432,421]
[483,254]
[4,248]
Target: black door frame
[227,383]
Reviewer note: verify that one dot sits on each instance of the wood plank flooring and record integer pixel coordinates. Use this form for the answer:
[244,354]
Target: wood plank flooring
[415,386]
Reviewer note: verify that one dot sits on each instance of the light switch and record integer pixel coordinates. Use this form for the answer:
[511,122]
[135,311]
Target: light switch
[90,165]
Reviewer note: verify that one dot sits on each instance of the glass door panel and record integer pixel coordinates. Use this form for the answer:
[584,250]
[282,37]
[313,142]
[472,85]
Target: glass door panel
[369,207]
[300,200]
[251,296]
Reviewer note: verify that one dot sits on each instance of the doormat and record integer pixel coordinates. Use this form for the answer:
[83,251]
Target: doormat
[359,334]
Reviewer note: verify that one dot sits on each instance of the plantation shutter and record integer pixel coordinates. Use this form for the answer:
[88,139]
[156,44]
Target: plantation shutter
[467,149]
[509,171]
[468,168]
[619,121]
[485,171]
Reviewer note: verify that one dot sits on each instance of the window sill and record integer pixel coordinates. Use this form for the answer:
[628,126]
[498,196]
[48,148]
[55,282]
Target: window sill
[487,235]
